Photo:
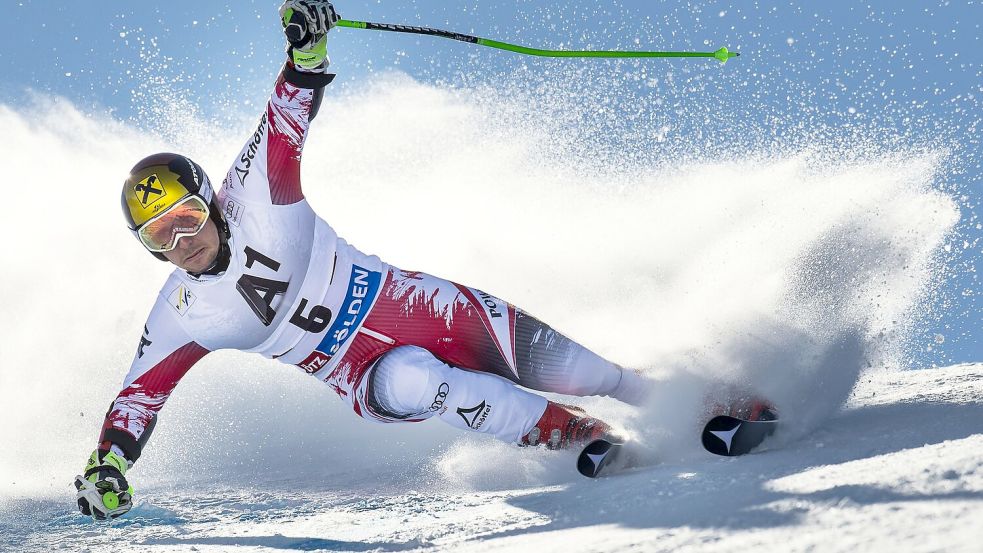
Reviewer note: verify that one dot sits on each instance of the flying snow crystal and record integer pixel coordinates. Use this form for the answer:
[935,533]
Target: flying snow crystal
[789,268]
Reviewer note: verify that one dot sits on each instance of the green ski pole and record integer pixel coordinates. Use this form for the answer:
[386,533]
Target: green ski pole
[722,54]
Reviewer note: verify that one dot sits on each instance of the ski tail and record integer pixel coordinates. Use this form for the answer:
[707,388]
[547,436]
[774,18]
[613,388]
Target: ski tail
[603,457]
[732,436]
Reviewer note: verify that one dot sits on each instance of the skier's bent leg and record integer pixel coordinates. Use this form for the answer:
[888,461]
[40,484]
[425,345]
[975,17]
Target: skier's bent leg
[551,362]
[409,383]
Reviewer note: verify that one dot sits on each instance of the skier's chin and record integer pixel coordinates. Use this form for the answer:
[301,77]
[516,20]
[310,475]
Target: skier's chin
[198,259]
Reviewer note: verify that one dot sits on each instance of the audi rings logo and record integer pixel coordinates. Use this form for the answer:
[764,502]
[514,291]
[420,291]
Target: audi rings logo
[438,400]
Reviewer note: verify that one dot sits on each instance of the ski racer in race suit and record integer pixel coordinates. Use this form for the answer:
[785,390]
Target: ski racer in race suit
[259,271]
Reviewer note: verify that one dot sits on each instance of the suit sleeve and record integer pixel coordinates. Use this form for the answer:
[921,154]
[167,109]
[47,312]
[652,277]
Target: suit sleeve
[164,355]
[268,167]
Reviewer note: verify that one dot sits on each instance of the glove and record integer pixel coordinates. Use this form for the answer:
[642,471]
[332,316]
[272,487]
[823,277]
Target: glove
[103,492]
[306,24]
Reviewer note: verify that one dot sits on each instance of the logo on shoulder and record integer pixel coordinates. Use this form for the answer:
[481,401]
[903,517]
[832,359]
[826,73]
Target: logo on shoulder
[233,211]
[181,299]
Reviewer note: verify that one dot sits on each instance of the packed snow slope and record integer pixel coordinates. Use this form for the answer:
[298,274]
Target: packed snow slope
[795,271]
[900,468]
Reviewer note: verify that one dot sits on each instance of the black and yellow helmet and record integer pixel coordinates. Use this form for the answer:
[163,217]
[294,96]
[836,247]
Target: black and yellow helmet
[159,182]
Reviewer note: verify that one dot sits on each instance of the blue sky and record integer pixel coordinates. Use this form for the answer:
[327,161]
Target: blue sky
[847,52]
[893,72]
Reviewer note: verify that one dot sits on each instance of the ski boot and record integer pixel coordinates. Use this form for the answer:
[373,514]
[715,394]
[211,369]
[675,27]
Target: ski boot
[563,426]
[744,406]
[753,409]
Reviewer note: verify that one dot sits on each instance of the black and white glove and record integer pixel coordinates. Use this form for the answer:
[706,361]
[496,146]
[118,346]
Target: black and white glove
[306,24]
[103,491]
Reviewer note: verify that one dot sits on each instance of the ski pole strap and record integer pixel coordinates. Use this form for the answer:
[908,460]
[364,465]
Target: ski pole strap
[721,54]
[130,446]
[303,79]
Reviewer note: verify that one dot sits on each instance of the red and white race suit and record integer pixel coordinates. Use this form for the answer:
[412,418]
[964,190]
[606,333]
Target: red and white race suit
[296,292]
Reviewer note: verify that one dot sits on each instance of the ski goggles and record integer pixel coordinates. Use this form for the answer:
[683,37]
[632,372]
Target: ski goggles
[185,218]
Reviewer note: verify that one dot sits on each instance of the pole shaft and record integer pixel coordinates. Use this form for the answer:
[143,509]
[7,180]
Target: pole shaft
[722,55]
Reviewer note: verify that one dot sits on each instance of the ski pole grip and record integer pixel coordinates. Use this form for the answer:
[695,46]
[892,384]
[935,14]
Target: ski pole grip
[295,27]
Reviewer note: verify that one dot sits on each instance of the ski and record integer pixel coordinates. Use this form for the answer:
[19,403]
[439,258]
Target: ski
[603,457]
[731,436]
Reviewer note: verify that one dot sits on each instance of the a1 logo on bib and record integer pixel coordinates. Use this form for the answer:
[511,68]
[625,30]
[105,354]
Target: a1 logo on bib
[149,190]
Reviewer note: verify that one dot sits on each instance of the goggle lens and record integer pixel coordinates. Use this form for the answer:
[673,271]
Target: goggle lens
[185,218]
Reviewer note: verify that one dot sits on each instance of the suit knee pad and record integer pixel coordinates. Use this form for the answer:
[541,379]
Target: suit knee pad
[410,383]
[402,382]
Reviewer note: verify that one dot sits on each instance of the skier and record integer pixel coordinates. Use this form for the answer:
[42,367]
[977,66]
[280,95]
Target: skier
[259,271]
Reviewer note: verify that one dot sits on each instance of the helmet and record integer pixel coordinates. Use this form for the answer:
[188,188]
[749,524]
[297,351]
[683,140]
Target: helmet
[159,182]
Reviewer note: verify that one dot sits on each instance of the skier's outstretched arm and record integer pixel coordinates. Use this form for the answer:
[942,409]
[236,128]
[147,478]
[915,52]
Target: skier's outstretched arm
[267,169]
[164,355]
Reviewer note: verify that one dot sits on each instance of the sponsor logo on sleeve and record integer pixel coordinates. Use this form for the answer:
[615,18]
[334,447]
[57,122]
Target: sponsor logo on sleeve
[144,342]
[475,416]
[233,211]
[181,299]
[245,162]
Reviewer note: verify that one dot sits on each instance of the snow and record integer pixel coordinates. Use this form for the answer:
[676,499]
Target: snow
[806,272]
[899,467]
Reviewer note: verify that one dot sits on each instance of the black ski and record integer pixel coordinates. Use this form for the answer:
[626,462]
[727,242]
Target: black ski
[602,457]
[731,436]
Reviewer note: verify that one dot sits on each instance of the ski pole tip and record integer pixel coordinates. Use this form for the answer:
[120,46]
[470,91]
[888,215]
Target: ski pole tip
[723,54]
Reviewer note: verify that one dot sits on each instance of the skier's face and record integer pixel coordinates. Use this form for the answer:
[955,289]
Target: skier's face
[196,253]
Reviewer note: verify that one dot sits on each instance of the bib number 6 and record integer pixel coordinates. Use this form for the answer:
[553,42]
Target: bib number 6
[259,293]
